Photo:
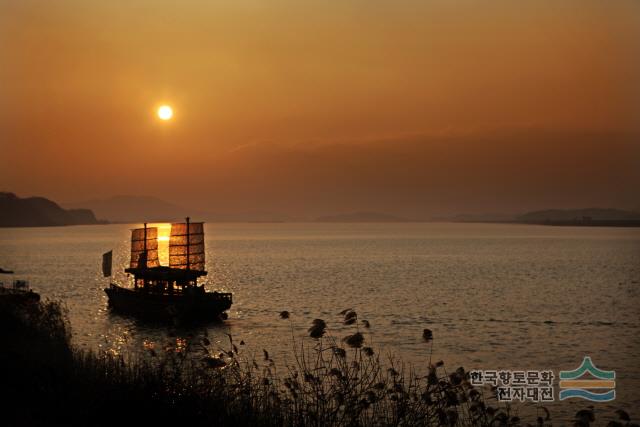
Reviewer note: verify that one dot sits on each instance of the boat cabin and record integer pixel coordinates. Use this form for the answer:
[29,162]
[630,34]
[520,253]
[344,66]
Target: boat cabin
[166,280]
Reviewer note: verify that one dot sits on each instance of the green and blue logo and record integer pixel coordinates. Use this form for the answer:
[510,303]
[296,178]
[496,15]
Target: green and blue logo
[573,383]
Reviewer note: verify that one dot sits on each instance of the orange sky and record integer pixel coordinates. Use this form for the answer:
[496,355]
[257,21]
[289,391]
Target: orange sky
[312,107]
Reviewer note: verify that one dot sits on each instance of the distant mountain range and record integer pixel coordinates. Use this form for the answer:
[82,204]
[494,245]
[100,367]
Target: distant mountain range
[587,216]
[361,217]
[127,209]
[39,212]
[134,209]
[597,214]
[484,217]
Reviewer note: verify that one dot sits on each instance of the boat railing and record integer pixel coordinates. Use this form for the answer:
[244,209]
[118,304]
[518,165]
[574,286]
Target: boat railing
[17,285]
[223,295]
[21,284]
[200,291]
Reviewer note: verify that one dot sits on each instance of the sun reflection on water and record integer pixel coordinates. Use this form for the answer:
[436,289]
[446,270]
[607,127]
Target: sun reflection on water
[164,231]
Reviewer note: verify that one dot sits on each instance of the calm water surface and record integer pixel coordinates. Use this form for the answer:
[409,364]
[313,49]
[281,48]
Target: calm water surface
[496,296]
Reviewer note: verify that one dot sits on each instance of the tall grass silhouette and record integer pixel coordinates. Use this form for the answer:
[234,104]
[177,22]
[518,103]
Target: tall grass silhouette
[331,381]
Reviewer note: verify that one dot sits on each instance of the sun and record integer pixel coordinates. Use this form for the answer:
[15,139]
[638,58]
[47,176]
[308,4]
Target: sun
[165,112]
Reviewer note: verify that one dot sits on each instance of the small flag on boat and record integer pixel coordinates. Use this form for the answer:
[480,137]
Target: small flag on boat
[106,263]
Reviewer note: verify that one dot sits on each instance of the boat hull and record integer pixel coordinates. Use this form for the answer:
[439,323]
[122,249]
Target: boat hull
[18,296]
[195,306]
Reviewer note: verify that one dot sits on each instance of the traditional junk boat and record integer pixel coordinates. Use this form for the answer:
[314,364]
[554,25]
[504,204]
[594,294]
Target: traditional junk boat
[167,292]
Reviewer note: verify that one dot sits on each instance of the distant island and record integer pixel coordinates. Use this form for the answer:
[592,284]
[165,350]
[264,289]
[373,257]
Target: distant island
[40,212]
[593,217]
[133,209]
[362,217]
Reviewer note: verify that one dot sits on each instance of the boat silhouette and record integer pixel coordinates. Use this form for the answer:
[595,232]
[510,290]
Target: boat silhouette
[166,292]
[18,291]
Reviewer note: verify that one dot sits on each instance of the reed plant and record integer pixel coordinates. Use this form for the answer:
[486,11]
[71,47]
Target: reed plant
[331,381]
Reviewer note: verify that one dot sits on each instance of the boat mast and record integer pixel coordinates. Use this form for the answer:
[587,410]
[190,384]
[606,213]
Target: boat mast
[145,246]
[187,243]
[145,255]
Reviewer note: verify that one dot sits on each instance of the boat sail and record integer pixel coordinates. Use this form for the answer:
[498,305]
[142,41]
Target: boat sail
[144,247]
[169,291]
[186,246]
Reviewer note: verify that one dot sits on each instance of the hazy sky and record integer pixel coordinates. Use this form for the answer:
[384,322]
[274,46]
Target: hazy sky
[315,107]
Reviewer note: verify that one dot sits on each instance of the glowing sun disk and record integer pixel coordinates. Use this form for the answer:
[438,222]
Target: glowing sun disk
[165,112]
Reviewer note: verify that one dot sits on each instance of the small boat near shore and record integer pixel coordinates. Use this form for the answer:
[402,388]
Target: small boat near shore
[18,291]
[167,292]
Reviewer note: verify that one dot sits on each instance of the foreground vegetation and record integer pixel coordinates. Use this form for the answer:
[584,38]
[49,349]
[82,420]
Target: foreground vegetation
[332,382]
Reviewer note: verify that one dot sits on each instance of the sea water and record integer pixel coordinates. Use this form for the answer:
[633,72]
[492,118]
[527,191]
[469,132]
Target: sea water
[496,296]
